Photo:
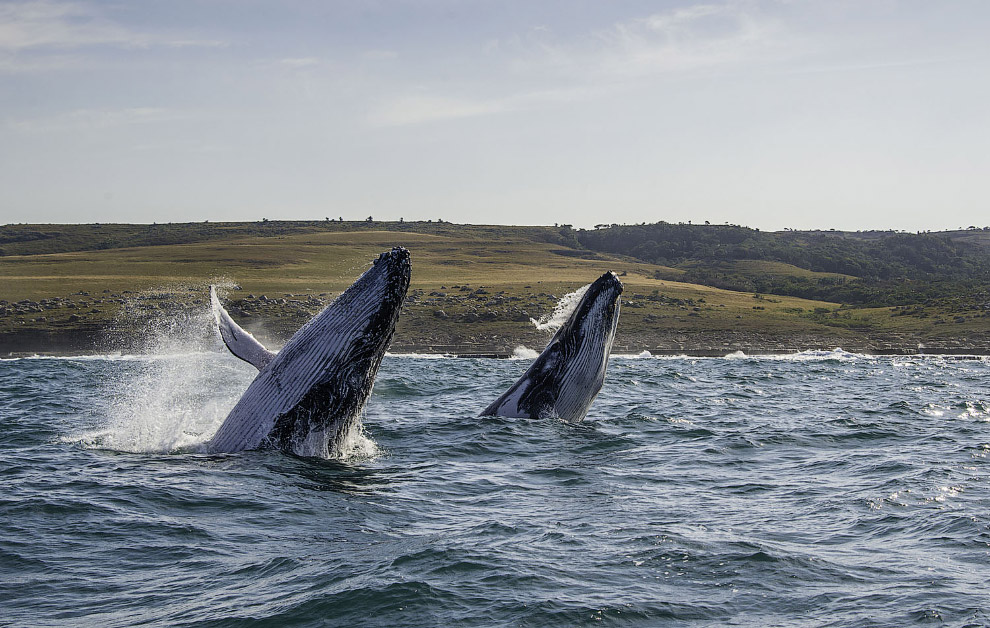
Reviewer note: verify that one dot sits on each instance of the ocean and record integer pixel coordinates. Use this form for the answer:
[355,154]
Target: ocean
[817,489]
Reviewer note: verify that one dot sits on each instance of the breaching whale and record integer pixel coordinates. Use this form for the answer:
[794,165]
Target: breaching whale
[307,397]
[566,377]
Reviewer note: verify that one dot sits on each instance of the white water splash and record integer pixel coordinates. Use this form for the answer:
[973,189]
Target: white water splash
[175,394]
[524,353]
[642,355]
[812,355]
[358,445]
[178,394]
[561,312]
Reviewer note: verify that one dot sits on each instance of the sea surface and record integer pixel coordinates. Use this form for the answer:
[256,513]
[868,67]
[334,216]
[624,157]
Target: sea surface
[819,489]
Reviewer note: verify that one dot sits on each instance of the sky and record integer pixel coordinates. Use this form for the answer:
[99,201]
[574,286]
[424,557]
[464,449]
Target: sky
[774,114]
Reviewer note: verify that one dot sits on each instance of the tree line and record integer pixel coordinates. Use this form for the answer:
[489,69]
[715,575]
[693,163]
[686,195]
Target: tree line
[866,269]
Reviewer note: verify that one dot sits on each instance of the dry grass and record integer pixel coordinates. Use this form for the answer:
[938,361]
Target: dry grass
[522,273]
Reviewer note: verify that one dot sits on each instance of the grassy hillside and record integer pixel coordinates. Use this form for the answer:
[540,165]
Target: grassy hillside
[866,269]
[42,239]
[474,288]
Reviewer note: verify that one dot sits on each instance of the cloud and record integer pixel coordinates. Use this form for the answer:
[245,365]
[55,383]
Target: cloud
[423,108]
[41,35]
[299,62]
[417,109]
[686,39]
[61,25]
[535,70]
[93,119]
[689,38]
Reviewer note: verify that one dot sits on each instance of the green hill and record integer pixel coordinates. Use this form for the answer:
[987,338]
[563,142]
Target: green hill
[474,289]
[863,269]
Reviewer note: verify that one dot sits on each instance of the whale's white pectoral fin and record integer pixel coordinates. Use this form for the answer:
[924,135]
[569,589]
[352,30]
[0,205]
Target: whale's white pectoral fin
[241,343]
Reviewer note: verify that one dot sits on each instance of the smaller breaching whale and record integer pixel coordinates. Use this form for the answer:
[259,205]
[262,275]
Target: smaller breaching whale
[566,377]
[306,398]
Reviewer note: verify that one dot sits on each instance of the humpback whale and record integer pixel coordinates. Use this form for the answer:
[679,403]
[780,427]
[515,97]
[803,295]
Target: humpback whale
[564,380]
[307,397]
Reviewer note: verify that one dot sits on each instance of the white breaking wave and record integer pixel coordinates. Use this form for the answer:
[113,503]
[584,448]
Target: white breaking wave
[524,353]
[642,355]
[561,312]
[810,355]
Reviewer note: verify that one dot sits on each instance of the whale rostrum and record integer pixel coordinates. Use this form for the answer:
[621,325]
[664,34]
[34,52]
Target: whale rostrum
[307,397]
[565,379]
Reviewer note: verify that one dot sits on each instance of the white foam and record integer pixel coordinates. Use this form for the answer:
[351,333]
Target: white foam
[642,355]
[814,355]
[561,312]
[811,355]
[524,353]
[358,445]
[108,357]
[172,395]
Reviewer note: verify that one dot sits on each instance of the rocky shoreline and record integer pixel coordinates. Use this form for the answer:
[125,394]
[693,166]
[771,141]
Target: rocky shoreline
[97,340]
[460,320]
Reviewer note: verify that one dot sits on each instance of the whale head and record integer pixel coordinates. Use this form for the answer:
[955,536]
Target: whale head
[565,379]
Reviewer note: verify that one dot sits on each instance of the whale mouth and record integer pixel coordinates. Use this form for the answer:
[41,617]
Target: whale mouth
[608,282]
[396,253]
[397,267]
[398,257]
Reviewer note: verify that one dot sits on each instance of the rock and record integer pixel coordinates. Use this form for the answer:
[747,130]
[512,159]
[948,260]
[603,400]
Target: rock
[440,314]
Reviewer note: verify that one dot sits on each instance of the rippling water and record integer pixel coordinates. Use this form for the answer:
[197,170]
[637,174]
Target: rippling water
[819,489]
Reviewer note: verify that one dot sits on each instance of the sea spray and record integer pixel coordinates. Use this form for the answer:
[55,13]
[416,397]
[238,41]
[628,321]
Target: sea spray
[561,312]
[642,355]
[524,353]
[178,392]
[181,386]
